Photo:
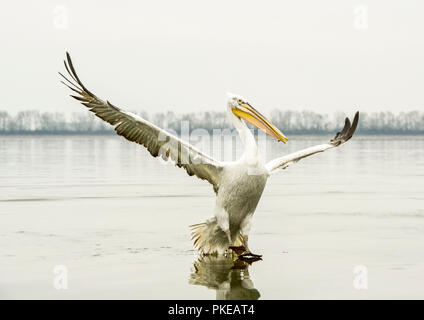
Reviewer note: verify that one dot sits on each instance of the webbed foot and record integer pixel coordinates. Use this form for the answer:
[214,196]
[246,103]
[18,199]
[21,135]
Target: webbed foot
[238,249]
[248,254]
[245,255]
[250,258]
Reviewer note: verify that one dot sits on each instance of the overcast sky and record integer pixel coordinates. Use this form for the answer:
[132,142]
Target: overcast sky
[184,56]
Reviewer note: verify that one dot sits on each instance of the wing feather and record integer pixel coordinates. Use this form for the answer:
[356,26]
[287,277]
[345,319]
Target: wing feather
[341,137]
[136,129]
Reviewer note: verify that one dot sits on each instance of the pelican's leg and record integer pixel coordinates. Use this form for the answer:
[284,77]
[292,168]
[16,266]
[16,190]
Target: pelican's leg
[237,249]
[244,230]
[228,233]
[245,238]
[224,224]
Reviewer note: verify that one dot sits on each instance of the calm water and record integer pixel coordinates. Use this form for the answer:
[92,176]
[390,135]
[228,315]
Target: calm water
[118,220]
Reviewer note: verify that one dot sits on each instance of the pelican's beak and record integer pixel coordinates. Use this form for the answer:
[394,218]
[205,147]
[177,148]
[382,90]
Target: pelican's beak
[251,115]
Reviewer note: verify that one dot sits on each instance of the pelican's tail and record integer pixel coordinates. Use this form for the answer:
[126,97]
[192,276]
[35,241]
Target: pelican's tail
[209,238]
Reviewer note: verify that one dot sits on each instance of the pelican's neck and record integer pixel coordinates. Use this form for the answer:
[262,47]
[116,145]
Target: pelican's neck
[250,154]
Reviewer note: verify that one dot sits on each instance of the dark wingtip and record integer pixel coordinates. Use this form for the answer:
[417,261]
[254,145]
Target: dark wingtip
[68,56]
[354,124]
[347,131]
[71,70]
[356,119]
[346,126]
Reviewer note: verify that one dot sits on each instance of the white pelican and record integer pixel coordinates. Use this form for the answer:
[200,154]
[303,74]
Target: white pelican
[238,185]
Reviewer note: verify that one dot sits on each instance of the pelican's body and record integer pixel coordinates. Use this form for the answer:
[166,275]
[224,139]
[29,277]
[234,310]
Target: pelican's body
[238,185]
[240,194]
[236,201]
[240,189]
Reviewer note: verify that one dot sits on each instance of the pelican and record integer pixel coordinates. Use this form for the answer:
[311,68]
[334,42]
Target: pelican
[238,185]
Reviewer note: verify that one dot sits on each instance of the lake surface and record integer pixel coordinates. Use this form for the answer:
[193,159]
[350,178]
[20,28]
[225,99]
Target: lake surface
[115,221]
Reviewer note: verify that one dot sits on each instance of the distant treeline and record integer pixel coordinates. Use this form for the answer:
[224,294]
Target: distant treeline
[290,122]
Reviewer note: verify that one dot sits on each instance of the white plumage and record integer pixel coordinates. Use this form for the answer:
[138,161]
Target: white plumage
[238,185]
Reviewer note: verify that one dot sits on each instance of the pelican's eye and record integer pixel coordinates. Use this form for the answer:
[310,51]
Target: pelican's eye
[239,101]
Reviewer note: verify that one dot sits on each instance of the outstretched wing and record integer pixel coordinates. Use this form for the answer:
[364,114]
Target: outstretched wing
[134,128]
[340,138]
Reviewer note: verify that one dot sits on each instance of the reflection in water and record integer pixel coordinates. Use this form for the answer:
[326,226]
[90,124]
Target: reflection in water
[230,278]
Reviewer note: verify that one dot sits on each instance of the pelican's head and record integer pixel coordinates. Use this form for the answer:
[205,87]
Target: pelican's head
[244,111]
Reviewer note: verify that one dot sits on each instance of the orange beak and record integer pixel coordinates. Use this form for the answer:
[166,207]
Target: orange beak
[252,116]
